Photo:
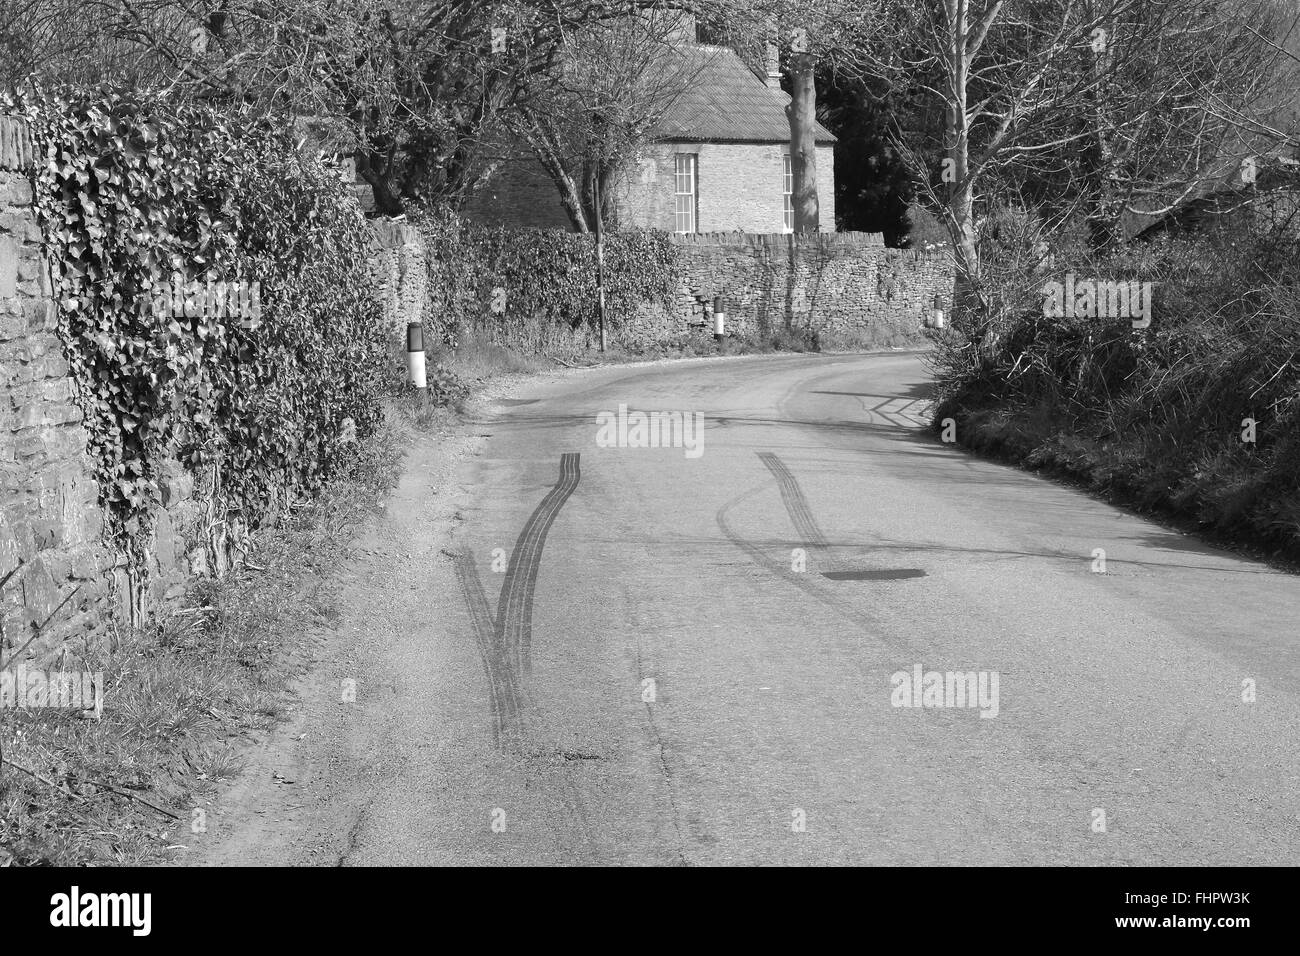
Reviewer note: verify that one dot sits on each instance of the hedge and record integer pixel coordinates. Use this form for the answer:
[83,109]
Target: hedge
[535,289]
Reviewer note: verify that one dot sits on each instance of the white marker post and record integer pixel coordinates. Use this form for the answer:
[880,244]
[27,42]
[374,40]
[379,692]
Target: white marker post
[719,318]
[415,355]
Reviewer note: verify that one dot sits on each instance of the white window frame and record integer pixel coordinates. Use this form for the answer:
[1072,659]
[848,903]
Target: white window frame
[787,193]
[686,173]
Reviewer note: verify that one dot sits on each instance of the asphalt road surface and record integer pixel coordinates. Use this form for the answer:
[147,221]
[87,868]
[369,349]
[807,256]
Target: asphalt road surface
[711,654]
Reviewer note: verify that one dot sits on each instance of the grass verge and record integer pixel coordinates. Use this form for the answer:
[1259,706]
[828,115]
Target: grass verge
[1193,417]
[181,698]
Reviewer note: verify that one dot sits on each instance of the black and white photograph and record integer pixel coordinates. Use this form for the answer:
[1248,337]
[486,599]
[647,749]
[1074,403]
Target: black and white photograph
[855,434]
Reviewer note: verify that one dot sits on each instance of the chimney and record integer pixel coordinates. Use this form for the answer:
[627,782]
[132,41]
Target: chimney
[773,60]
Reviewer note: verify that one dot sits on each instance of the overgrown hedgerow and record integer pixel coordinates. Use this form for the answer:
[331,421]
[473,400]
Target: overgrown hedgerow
[278,409]
[1156,417]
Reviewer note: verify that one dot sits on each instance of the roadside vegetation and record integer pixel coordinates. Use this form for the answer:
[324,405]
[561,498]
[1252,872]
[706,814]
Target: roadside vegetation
[185,694]
[1196,416]
[1110,142]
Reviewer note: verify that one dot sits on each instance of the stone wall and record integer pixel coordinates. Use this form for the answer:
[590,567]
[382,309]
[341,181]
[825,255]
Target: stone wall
[842,290]
[55,567]
[62,583]
[847,287]
[398,269]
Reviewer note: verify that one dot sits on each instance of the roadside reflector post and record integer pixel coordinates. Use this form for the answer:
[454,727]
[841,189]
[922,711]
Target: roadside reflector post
[719,317]
[937,315]
[415,356]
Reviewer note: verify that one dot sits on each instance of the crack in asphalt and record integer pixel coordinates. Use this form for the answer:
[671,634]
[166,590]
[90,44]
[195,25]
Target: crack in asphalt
[663,766]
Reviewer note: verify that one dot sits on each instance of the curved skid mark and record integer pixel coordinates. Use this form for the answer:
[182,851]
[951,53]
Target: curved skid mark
[515,607]
[505,697]
[802,581]
[505,643]
[796,505]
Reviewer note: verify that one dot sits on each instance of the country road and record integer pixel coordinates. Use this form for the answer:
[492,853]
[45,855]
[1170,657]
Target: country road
[568,653]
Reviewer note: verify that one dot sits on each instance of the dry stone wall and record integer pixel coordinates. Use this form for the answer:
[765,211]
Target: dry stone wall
[55,568]
[841,290]
[847,288]
[398,269]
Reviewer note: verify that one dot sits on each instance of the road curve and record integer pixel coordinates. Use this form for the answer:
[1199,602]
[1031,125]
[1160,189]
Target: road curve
[710,658]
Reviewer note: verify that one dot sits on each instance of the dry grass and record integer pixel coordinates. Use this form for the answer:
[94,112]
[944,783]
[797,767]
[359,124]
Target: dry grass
[181,697]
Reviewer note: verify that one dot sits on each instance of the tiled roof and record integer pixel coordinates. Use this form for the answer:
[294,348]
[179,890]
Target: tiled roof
[725,102]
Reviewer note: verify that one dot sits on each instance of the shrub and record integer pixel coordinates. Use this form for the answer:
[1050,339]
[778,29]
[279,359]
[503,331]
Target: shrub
[1155,416]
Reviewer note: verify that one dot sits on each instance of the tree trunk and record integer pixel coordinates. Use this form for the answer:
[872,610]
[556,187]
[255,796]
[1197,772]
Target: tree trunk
[1100,161]
[570,196]
[965,291]
[802,113]
[966,301]
[546,147]
[377,171]
[599,221]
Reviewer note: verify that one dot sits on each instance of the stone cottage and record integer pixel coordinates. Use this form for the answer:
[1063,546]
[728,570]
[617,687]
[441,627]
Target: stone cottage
[719,161]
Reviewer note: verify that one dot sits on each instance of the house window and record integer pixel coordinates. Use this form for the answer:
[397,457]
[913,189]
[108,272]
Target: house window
[787,194]
[685,193]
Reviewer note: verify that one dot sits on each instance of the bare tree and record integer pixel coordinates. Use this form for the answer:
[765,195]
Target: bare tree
[1193,91]
[1109,101]
[613,81]
[805,33]
[411,89]
[56,41]
[992,68]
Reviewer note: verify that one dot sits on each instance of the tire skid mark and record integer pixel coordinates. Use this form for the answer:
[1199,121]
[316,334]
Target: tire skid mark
[504,643]
[503,698]
[515,606]
[796,505]
[803,581]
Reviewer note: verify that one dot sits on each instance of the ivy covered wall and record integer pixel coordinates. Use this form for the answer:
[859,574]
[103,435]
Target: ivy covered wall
[197,316]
